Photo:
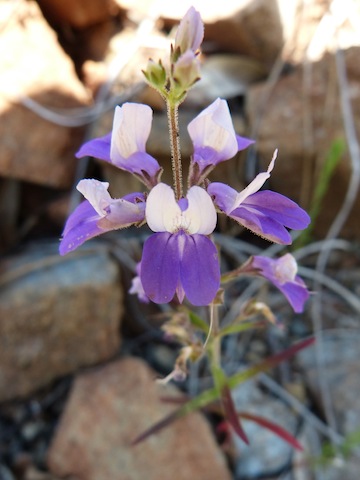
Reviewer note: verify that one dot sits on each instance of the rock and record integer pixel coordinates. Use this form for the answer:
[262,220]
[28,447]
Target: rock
[57,315]
[35,67]
[342,372]
[303,127]
[107,409]
[78,13]
[266,453]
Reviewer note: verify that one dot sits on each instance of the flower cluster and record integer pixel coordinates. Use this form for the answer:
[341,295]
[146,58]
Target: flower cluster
[180,258]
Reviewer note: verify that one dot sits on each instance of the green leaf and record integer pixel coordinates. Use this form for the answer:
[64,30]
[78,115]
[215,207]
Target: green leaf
[198,322]
[240,327]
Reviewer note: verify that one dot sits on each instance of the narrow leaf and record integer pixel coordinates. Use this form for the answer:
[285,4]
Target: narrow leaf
[198,322]
[240,327]
[273,427]
[231,414]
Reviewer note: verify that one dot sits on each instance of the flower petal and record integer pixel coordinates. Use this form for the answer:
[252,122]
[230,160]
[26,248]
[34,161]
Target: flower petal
[97,148]
[278,207]
[256,184]
[131,129]
[162,210]
[96,193]
[282,273]
[80,226]
[200,214]
[190,32]
[265,226]
[213,131]
[199,269]
[224,195]
[160,265]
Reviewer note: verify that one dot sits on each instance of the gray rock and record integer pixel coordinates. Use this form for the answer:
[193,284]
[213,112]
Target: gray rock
[56,315]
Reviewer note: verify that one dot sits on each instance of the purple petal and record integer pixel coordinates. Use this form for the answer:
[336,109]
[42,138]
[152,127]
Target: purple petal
[278,207]
[243,142]
[160,266]
[283,277]
[97,148]
[296,294]
[80,226]
[224,196]
[140,163]
[199,269]
[262,225]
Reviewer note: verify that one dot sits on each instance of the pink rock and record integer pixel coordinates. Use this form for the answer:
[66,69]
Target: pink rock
[107,409]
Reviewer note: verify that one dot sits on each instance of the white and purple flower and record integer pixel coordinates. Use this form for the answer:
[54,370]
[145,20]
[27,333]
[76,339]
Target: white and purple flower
[282,273]
[100,213]
[214,140]
[265,213]
[124,146]
[180,258]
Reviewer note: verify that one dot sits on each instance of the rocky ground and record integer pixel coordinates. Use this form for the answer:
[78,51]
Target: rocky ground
[79,356]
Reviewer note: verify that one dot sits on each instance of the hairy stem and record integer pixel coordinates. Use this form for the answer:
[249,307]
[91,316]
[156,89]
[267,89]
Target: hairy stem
[173,120]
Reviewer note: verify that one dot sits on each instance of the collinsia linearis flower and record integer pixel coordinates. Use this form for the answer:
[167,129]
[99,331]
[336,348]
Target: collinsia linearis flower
[214,140]
[190,33]
[265,213]
[124,146]
[180,258]
[282,273]
[100,213]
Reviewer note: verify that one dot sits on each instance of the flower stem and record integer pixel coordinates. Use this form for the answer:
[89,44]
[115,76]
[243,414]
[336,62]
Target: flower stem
[173,120]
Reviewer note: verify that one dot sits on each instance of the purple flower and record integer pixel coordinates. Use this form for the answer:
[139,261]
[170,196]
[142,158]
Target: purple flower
[100,213]
[265,213]
[137,287]
[282,272]
[180,258]
[214,139]
[124,146]
[190,32]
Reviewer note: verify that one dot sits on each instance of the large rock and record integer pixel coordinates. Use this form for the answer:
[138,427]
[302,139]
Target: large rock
[107,409]
[35,66]
[57,315]
[78,13]
[303,127]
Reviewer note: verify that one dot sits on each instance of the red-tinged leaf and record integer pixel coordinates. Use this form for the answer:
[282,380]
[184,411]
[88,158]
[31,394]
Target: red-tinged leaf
[275,428]
[156,427]
[268,363]
[231,414]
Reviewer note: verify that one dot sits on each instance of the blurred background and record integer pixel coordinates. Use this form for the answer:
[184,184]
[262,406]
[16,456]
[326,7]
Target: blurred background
[78,355]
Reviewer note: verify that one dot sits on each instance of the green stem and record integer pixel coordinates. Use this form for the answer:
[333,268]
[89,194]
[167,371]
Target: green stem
[173,120]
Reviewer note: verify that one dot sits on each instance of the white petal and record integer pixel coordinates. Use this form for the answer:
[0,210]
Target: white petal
[256,184]
[131,129]
[285,268]
[162,211]
[213,128]
[96,193]
[200,216]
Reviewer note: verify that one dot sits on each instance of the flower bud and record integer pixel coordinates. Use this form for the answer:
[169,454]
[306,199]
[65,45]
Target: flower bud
[190,33]
[155,74]
[186,70]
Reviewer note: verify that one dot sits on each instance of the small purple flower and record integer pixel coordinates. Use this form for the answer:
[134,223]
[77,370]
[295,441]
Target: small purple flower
[137,287]
[190,32]
[265,213]
[100,213]
[214,139]
[180,258]
[125,145]
[282,272]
